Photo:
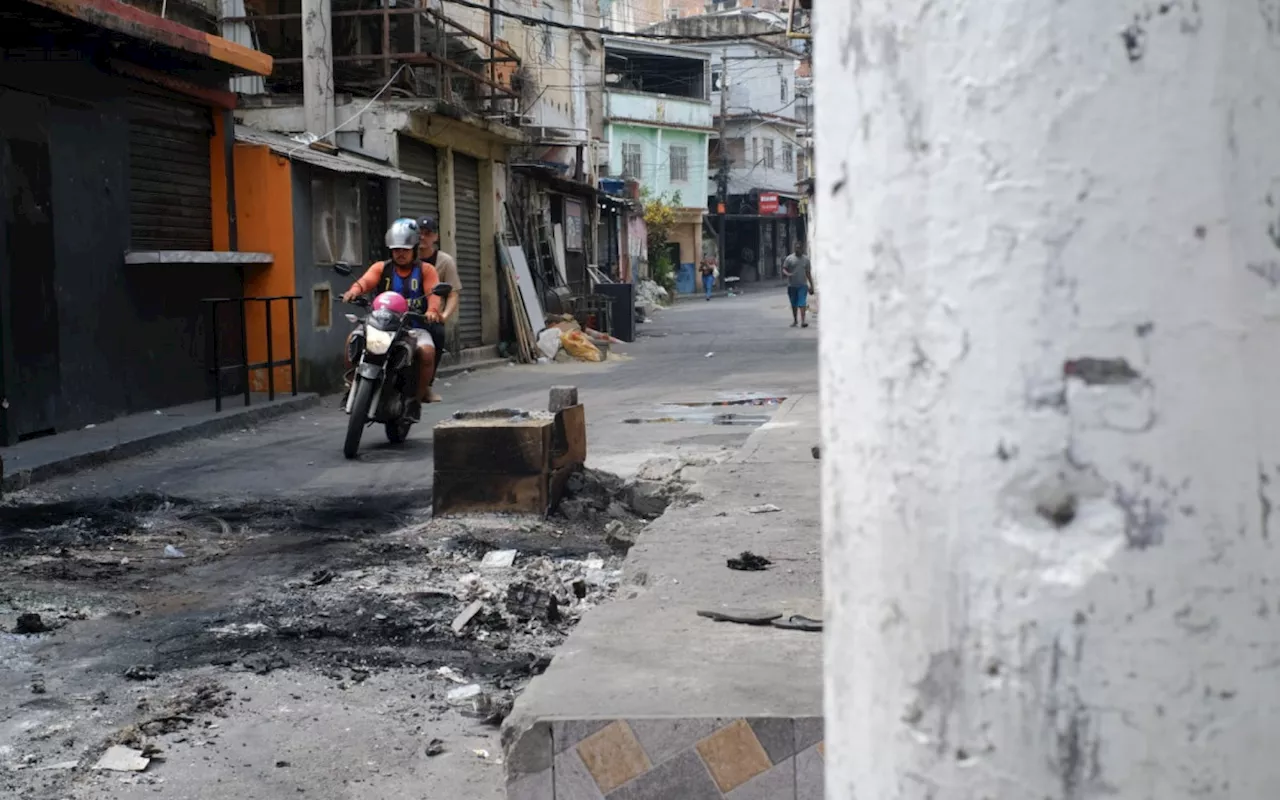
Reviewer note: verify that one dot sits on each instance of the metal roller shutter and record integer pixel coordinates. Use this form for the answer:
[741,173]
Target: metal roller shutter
[466,202]
[419,160]
[170,194]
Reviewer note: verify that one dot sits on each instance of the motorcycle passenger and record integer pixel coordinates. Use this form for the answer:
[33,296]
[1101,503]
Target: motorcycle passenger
[447,269]
[414,279]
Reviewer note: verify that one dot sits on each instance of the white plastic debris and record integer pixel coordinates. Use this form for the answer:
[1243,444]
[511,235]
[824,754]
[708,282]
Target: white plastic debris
[549,342]
[119,758]
[767,508]
[462,620]
[464,694]
[449,673]
[594,563]
[498,559]
[172,552]
[709,355]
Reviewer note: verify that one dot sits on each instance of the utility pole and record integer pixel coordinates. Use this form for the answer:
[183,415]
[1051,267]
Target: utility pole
[1048,366]
[319,114]
[722,174]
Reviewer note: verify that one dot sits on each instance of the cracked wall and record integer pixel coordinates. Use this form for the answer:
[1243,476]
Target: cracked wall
[1050,460]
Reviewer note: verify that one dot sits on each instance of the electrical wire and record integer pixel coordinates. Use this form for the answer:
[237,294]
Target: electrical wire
[666,37]
[355,116]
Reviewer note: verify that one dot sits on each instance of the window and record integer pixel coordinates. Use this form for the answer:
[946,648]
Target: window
[768,154]
[715,80]
[679,155]
[673,13]
[321,307]
[788,157]
[737,151]
[631,160]
[782,82]
[337,229]
[800,170]
[755,151]
[547,44]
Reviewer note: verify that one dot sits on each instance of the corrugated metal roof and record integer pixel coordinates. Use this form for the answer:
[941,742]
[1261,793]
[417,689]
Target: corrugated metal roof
[334,162]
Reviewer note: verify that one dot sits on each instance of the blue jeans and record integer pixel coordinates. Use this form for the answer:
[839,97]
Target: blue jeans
[708,282]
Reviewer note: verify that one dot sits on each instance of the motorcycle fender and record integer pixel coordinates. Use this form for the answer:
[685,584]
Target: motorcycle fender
[370,371]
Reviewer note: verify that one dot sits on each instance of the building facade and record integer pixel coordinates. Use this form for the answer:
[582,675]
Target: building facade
[115,197]
[759,151]
[658,120]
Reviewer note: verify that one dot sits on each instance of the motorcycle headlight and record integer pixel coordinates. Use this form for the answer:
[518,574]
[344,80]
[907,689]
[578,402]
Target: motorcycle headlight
[377,342]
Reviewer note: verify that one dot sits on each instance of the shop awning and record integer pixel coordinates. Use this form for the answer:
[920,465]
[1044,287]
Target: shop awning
[121,18]
[337,161]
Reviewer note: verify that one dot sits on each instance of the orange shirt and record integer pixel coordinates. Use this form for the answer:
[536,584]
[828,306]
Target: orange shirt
[372,278]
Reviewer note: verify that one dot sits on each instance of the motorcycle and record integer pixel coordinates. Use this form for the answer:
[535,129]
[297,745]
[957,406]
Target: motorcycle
[384,374]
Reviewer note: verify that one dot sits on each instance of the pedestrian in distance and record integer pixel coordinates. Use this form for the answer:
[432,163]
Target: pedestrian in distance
[709,274]
[799,275]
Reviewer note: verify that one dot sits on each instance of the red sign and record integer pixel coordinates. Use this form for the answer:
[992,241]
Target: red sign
[768,203]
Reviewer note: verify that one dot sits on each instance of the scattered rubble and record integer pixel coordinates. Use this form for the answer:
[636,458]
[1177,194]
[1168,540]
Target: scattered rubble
[767,508]
[119,758]
[141,672]
[749,562]
[29,624]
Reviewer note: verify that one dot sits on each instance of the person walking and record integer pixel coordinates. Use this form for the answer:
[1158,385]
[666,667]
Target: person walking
[708,270]
[799,275]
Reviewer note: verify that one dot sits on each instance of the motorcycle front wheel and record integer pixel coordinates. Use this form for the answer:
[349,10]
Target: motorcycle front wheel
[359,417]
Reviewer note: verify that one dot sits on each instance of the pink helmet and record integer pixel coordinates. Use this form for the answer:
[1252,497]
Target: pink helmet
[391,301]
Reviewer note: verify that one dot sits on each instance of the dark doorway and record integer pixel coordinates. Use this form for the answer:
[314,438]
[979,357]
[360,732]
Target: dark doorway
[29,313]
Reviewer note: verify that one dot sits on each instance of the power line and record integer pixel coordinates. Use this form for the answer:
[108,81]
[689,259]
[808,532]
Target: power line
[666,37]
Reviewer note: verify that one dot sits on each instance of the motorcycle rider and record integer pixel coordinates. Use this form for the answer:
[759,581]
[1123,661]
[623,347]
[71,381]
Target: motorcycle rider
[413,279]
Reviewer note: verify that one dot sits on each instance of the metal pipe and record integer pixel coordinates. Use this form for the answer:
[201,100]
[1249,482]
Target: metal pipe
[293,351]
[271,356]
[217,362]
[229,156]
[244,347]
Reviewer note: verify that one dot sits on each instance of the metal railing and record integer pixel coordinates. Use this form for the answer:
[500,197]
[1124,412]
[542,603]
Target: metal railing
[245,367]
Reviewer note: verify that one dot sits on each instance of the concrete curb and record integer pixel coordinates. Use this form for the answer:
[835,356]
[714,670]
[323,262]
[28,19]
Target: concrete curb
[233,420]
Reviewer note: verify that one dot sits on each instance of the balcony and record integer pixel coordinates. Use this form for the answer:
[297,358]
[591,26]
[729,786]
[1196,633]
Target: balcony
[659,110]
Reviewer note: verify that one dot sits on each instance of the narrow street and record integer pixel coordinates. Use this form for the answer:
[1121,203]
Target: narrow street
[267,619]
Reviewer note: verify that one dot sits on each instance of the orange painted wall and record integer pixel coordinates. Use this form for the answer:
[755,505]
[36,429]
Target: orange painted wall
[264,212]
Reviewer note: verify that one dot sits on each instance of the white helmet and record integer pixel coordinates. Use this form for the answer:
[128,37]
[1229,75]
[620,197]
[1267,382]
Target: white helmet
[403,234]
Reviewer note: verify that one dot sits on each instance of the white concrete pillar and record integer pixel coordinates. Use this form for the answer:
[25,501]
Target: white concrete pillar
[317,68]
[1050,238]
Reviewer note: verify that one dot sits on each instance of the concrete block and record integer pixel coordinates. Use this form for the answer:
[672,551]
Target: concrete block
[562,397]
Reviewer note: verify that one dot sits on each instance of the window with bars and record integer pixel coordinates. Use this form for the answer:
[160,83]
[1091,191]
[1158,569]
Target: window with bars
[768,154]
[782,82]
[631,162]
[801,173]
[788,157]
[679,157]
[755,151]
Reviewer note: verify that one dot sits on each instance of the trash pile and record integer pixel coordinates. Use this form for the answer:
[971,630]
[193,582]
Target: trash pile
[650,297]
[565,340]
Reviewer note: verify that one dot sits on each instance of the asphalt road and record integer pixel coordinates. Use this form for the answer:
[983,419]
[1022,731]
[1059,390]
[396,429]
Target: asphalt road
[692,352]
[292,550]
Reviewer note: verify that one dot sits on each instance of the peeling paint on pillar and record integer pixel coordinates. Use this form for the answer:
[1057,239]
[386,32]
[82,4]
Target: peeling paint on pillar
[1050,454]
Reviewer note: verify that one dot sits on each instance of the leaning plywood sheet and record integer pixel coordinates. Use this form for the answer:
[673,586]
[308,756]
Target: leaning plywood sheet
[528,291]
[558,254]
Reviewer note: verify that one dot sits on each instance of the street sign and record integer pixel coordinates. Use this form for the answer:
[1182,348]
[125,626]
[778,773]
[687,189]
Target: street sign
[768,203]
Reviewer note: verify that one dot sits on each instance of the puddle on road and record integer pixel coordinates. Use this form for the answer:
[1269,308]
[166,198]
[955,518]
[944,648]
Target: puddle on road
[716,412]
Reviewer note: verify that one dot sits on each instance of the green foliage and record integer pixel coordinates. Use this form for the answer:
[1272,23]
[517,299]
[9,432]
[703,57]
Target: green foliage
[659,219]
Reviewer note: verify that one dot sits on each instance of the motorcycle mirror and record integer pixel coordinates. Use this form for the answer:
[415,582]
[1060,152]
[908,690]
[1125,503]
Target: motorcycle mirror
[342,268]
[442,289]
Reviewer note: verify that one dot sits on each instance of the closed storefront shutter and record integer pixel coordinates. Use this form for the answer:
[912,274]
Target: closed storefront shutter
[419,160]
[466,177]
[170,202]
